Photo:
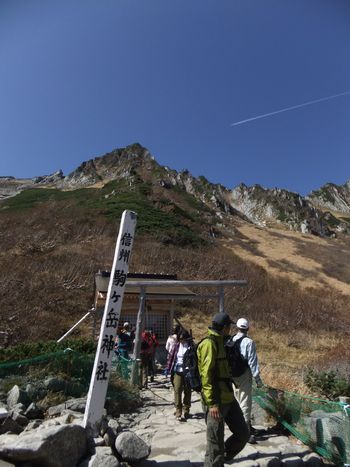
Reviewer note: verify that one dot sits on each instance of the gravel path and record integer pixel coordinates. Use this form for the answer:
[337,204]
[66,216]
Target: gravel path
[182,444]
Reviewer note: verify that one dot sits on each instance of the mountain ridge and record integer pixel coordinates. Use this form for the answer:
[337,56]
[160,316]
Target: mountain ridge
[324,212]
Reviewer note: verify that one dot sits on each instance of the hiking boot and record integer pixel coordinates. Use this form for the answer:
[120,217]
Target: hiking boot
[187,415]
[178,414]
[228,456]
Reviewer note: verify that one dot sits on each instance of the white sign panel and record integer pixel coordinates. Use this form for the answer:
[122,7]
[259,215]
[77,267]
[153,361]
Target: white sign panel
[105,349]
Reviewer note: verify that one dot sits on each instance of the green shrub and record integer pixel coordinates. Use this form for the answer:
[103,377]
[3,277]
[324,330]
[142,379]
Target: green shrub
[327,383]
[27,350]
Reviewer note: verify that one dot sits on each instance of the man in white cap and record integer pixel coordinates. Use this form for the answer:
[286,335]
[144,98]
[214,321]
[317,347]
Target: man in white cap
[243,384]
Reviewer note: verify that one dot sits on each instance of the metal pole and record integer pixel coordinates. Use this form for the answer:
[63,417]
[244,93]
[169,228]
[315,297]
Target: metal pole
[172,283]
[138,332]
[76,325]
[221,294]
[139,324]
[172,314]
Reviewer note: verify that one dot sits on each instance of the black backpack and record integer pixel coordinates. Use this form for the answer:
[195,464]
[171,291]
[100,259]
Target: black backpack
[236,362]
[190,366]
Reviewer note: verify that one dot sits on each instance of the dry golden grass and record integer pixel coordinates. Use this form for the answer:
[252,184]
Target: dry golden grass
[283,358]
[308,260]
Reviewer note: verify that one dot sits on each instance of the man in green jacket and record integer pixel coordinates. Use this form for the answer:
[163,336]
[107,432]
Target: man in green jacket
[218,398]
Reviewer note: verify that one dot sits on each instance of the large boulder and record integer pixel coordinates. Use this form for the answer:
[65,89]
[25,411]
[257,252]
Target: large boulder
[55,384]
[56,446]
[131,448]
[16,396]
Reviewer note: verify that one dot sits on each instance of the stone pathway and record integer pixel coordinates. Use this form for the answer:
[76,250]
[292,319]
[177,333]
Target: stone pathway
[182,444]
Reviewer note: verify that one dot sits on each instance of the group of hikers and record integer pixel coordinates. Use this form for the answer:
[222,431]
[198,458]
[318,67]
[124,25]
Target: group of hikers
[222,367]
[149,342]
[226,365]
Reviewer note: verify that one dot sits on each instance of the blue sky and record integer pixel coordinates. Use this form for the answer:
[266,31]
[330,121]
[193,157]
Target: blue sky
[80,78]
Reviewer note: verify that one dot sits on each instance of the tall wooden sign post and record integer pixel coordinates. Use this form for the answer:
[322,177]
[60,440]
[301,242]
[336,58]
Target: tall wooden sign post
[104,353]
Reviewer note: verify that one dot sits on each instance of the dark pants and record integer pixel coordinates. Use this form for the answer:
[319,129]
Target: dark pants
[181,388]
[232,415]
[144,371]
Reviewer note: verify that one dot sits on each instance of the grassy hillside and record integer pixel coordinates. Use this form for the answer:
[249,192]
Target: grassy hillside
[53,242]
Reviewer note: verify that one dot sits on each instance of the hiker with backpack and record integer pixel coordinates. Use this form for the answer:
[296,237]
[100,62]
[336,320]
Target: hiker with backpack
[218,399]
[170,344]
[241,348]
[176,370]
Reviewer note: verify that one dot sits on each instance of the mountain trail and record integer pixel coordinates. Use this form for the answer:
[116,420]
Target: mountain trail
[182,444]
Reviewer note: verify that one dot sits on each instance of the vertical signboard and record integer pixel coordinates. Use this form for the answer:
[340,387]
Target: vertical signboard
[104,353]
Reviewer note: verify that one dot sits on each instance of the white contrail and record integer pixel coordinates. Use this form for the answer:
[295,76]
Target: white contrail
[290,108]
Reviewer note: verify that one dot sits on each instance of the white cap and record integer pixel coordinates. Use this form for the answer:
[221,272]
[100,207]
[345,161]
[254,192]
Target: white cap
[126,324]
[242,323]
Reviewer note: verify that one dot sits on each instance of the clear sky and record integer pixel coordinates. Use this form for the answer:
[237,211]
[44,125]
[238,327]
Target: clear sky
[79,78]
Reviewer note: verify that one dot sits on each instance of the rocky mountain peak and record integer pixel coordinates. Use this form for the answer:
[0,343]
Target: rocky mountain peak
[262,206]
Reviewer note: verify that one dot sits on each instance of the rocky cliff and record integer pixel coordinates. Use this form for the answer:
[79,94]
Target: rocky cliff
[332,197]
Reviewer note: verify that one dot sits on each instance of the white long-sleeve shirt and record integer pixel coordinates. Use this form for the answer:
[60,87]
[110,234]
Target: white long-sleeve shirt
[180,357]
[248,352]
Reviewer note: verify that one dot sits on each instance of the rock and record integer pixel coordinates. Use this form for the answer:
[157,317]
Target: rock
[109,437]
[166,460]
[75,389]
[74,418]
[293,461]
[19,418]
[33,425]
[295,449]
[112,431]
[55,384]
[248,463]
[260,416]
[6,464]
[16,396]
[131,448]
[3,413]
[278,440]
[9,425]
[99,441]
[59,446]
[269,462]
[248,452]
[76,405]
[313,460]
[6,438]
[113,423]
[19,408]
[35,393]
[34,411]
[103,426]
[270,451]
[102,458]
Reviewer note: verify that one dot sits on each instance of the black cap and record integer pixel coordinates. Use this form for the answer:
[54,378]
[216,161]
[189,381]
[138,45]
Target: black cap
[222,319]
